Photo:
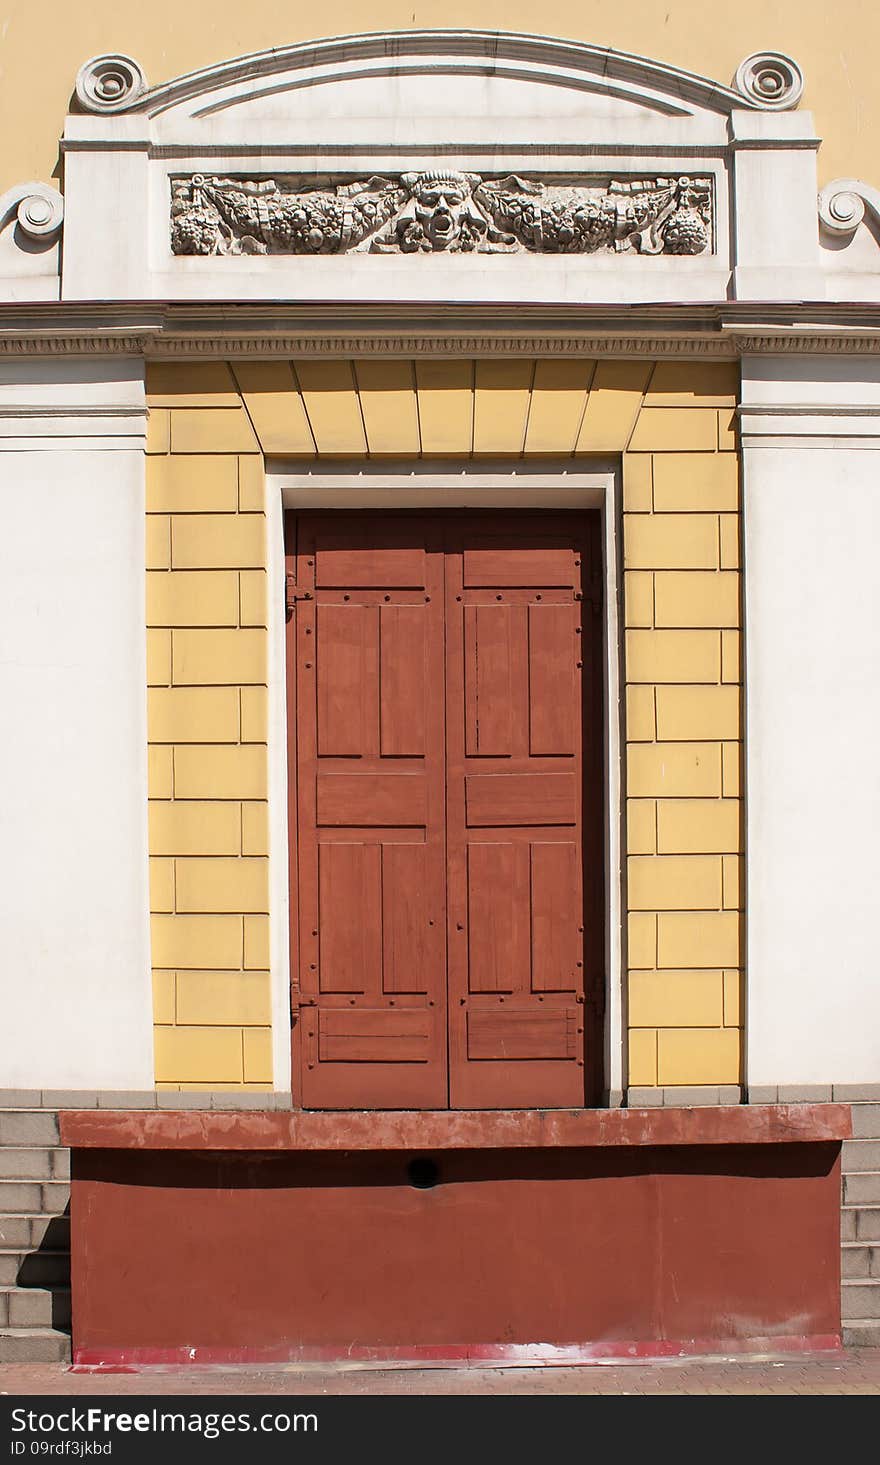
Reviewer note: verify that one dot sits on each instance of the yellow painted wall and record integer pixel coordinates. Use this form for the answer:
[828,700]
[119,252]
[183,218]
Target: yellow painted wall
[206,723]
[673,424]
[43,45]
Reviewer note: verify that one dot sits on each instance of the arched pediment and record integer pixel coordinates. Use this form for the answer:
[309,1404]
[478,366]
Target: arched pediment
[257,83]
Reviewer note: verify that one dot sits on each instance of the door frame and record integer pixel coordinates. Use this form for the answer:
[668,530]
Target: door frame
[446,483]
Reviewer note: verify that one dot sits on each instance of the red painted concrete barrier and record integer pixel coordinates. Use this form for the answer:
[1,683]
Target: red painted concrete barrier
[203,1237]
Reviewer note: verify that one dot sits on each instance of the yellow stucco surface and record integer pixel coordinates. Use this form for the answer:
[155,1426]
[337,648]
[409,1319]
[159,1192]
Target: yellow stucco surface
[44,45]
[670,425]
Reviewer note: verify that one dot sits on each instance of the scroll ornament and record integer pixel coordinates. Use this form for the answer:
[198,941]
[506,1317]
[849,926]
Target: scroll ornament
[439,211]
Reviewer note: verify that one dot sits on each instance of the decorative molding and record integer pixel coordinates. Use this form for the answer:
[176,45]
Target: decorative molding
[842,204]
[501,53]
[440,210]
[109,84]
[194,347]
[39,209]
[273,330]
[770,80]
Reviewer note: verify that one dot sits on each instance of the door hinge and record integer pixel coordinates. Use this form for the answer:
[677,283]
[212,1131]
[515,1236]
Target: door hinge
[292,595]
[300,999]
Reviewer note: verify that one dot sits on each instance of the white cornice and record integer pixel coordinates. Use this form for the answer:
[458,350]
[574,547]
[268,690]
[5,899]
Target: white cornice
[237,330]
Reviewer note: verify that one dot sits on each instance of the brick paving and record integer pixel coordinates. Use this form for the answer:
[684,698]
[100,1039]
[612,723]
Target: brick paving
[856,1371]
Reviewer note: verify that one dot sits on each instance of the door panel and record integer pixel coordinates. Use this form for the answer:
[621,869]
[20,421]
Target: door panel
[371,955]
[446,696]
[515,810]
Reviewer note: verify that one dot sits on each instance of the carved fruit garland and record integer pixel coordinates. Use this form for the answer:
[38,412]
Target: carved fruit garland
[441,211]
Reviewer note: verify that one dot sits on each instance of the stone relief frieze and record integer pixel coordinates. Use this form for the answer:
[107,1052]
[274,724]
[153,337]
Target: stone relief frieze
[438,211]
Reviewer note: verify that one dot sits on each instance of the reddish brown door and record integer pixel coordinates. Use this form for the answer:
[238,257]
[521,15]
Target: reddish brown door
[447,771]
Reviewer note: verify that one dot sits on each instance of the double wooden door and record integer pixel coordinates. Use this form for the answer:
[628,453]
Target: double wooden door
[444,686]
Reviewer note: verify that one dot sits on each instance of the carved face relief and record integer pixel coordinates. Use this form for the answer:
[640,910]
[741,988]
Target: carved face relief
[441,207]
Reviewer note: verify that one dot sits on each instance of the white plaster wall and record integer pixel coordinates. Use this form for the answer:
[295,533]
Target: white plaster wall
[812,535]
[76,999]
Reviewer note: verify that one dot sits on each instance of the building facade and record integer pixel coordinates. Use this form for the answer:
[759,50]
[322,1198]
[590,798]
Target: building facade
[440,665]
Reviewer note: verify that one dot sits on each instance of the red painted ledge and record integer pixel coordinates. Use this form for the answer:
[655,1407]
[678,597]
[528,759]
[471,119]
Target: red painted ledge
[463,1129]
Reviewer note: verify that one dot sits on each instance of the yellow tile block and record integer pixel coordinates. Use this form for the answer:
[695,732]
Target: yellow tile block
[695,714]
[220,772]
[251,485]
[197,941]
[695,483]
[731,657]
[209,886]
[388,403]
[668,883]
[501,405]
[258,1055]
[332,406]
[613,405]
[698,1056]
[255,829]
[275,407]
[192,484]
[695,598]
[194,828]
[254,610]
[559,397]
[732,882]
[673,429]
[212,430]
[642,1057]
[256,943]
[158,658]
[673,770]
[673,656]
[641,826]
[698,826]
[446,407]
[733,1004]
[203,1055]
[158,430]
[698,938]
[254,715]
[192,598]
[638,483]
[727,434]
[218,541]
[638,598]
[676,999]
[642,940]
[160,772]
[694,384]
[157,547]
[731,754]
[190,384]
[218,657]
[670,542]
[193,715]
[224,999]
[161,885]
[728,528]
[640,714]
[163,997]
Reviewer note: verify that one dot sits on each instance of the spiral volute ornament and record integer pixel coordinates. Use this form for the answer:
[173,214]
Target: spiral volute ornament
[109,83]
[842,204]
[37,209]
[770,81]
[40,213]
